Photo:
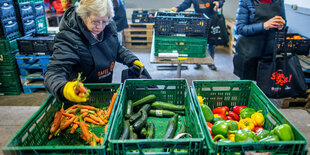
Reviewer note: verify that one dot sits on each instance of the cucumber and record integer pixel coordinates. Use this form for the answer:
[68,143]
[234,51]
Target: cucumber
[146,99]
[135,117]
[150,134]
[132,135]
[167,106]
[172,127]
[140,123]
[161,113]
[129,110]
[146,108]
[125,133]
[182,130]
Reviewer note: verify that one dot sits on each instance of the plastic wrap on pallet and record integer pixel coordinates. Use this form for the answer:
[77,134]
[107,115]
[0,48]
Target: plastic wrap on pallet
[38,44]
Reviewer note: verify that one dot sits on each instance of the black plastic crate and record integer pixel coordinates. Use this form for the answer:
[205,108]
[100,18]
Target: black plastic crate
[299,45]
[140,16]
[28,25]
[37,44]
[6,9]
[9,28]
[38,8]
[25,9]
[185,24]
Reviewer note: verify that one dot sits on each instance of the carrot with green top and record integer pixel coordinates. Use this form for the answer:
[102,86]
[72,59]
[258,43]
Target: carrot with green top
[96,138]
[72,107]
[80,89]
[68,115]
[109,111]
[106,128]
[101,140]
[57,120]
[67,123]
[87,119]
[84,129]
[88,107]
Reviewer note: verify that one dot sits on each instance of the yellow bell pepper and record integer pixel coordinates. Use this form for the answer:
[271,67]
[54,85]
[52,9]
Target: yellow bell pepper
[258,118]
[231,137]
[246,123]
[200,99]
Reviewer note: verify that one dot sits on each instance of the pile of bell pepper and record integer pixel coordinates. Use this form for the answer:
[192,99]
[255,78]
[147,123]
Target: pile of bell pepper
[242,124]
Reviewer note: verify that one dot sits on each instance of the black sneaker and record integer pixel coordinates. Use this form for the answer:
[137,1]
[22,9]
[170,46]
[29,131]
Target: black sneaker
[212,67]
[197,66]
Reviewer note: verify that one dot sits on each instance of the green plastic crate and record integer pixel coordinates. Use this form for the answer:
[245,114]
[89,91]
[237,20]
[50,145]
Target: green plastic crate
[172,91]
[7,46]
[7,59]
[41,24]
[184,46]
[244,92]
[13,88]
[32,138]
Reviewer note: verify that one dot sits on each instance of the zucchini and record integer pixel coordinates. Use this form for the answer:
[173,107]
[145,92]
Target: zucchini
[167,106]
[146,108]
[150,134]
[146,99]
[172,127]
[140,123]
[125,133]
[129,110]
[143,132]
[161,113]
[182,130]
[132,134]
[135,117]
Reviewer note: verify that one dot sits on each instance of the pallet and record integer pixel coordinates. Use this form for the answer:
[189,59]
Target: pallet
[31,69]
[230,25]
[138,32]
[29,60]
[295,102]
[141,25]
[32,83]
[138,45]
[138,38]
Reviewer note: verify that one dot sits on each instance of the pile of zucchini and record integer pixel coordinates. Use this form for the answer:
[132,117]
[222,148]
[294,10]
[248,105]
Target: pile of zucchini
[136,125]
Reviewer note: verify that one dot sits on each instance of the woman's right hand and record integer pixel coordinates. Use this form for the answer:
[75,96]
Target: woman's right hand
[275,22]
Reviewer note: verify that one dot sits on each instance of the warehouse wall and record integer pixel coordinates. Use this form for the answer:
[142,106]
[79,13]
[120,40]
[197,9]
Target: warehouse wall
[230,6]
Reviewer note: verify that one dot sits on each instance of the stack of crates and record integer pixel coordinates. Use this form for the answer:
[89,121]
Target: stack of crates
[143,16]
[31,16]
[182,33]
[31,69]
[9,79]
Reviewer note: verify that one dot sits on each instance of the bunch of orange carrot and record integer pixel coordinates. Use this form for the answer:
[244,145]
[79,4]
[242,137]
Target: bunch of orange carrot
[77,116]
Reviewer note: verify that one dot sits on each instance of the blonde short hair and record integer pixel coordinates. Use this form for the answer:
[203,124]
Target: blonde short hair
[98,7]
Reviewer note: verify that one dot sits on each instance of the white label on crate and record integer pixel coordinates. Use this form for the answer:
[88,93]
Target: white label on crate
[137,20]
[159,113]
[10,22]
[40,25]
[174,51]
[5,4]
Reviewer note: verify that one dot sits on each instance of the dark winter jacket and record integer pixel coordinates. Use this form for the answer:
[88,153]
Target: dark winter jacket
[187,4]
[245,17]
[120,16]
[72,52]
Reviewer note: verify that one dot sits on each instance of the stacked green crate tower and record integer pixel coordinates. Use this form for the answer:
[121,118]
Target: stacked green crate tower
[9,79]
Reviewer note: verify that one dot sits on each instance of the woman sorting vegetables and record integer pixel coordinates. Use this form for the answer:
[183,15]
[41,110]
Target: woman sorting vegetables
[87,43]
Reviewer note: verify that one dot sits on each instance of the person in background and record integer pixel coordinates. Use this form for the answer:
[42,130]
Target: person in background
[256,22]
[208,7]
[87,43]
[120,18]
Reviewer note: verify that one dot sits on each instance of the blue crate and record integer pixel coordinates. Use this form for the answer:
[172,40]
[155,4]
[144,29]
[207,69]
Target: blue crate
[38,8]
[9,28]
[25,9]
[7,10]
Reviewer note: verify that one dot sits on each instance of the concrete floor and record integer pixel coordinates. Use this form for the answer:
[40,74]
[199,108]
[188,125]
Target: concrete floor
[16,110]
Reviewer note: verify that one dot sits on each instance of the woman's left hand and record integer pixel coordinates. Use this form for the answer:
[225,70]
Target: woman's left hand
[216,5]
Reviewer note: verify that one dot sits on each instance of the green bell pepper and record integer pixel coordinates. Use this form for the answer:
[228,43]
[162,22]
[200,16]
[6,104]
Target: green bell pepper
[271,138]
[232,125]
[244,135]
[284,132]
[220,128]
[207,112]
[221,138]
[246,112]
[262,134]
[215,119]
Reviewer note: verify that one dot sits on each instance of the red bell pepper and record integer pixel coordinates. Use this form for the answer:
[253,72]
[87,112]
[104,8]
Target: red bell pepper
[234,116]
[220,110]
[238,108]
[257,129]
[210,127]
